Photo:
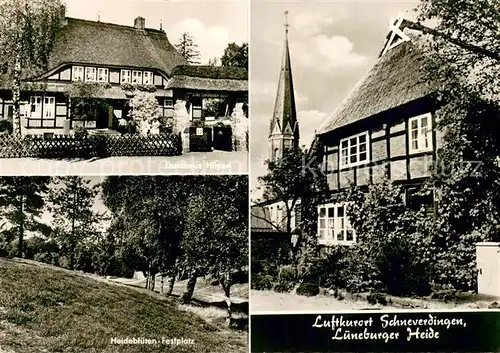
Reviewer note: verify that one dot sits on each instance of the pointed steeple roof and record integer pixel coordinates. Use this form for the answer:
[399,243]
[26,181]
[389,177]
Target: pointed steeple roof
[285,113]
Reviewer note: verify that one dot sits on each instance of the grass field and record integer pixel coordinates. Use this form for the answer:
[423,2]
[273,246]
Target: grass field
[48,309]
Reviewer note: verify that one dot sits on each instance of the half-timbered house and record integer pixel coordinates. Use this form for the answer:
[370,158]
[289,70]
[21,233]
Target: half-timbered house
[385,128]
[117,61]
[111,56]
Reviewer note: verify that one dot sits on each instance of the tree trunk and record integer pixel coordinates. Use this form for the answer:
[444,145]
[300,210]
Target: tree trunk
[162,282]
[72,258]
[21,227]
[226,286]
[191,283]
[170,283]
[146,276]
[73,222]
[16,95]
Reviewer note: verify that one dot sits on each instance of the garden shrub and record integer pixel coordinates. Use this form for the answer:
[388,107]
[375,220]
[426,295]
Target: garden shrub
[6,126]
[393,252]
[262,281]
[287,278]
[308,289]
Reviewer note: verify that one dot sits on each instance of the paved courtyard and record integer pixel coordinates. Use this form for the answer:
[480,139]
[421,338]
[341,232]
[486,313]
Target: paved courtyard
[216,162]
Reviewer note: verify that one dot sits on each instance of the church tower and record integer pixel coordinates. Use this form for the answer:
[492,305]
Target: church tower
[284,128]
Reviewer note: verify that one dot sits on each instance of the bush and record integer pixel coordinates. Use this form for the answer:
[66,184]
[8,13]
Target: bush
[6,126]
[308,289]
[393,251]
[80,132]
[262,282]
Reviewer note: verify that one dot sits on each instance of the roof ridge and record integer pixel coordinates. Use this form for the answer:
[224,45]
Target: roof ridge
[132,28]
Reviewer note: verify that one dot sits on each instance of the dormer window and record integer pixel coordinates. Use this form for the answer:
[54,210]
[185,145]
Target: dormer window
[420,136]
[354,150]
[102,75]
[77,73]
[125,76]
[90,74]
[148,78]
[137,77]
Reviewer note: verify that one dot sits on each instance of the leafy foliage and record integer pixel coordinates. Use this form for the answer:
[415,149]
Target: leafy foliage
[466,68]
[235,55]
[21,203]
[393,242]
[27,33]
[146,111]
[74,219]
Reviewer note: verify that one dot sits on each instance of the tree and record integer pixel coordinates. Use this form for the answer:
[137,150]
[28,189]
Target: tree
[21,202]
[27,33]
[463,59]
[188,49]
[235,55]
[145,111]
[149,230]
[295,179]
[74,218]
[215,239]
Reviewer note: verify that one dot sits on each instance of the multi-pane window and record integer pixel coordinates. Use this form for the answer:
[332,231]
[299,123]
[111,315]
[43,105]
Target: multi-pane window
[148,78]
[125,76]
[354,150]
[168,111]
[102,74]
[420,133]
[49,108]
[90,74]
[334,226]
[77,73]
[42,111]
[36,107]
[137,77]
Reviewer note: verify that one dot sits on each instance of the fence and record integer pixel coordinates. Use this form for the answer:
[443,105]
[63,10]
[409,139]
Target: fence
[91,146]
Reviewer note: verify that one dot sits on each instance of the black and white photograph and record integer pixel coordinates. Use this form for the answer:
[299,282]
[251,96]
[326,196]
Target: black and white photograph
[377,187]
[124,264]
[120,87]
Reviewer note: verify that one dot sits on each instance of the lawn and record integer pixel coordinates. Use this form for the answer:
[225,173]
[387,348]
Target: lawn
[49,309]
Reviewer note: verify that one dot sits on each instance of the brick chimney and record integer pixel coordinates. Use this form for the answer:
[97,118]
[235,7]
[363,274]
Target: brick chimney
[139,23]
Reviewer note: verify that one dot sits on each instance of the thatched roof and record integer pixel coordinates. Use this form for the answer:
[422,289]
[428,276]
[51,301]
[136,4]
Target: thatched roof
[209,71]
[396,79]
[209,78]
[107,44]
[207,84]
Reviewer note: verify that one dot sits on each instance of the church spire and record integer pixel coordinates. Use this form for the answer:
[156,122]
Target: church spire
[284,129]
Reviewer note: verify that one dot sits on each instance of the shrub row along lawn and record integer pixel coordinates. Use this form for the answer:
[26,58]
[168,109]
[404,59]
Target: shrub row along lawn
[45,308]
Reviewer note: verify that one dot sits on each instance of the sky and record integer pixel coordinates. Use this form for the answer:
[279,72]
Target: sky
[213,24]
[332,45]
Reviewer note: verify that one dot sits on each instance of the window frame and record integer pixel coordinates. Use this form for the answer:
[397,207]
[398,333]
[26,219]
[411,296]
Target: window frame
[331,227]
[421,137]
[150,77]
[45,106]
[106,74]
[74,73]
[139,72]
[358,162]
[89,69]
[128,76]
